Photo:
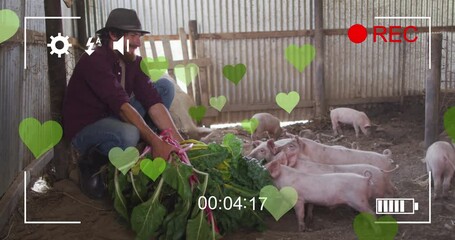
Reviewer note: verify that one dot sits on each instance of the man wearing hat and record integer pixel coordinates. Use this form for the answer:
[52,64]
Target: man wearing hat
[108,97]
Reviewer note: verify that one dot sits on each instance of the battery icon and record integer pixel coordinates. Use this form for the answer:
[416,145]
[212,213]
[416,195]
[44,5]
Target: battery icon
[396,206]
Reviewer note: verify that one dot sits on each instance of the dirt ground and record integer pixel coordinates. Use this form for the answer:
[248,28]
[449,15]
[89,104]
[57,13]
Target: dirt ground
[400,130]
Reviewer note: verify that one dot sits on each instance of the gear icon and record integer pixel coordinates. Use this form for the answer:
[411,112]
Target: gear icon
[64,49]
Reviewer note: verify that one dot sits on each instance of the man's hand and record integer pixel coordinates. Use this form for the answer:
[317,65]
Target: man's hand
[159,147]
[163,149]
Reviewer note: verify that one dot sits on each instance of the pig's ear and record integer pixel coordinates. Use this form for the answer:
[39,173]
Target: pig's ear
[274,169]
[271,146]
[291,161]
[300,143]
[256,143]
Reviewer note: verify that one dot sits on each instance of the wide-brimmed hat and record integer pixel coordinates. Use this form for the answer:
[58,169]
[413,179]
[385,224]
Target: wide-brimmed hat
[123,19]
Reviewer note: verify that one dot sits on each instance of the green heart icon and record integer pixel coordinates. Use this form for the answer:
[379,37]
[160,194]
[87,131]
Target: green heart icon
[366,229]
[186,74]
[9,22]
[40,138]
[300,57]
[197,113]
[218,102]
[154,67]
[288,101]
[250,125]
[234,73]
[278,203]
[153,169]
[123,160]
[449,122]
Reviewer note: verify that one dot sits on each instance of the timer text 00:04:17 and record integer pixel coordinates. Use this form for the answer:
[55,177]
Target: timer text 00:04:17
[228,203]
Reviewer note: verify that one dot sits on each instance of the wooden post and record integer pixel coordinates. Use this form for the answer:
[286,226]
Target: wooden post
[193,36]
[57,86]
[318,84]
[433,88]
[192,89]
[81,23]
[168,53]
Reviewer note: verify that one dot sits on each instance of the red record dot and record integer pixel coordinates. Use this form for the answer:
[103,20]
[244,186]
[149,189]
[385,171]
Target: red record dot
[357,33]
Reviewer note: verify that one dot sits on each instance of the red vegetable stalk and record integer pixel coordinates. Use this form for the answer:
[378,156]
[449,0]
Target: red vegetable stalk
[211,219]
[167,137]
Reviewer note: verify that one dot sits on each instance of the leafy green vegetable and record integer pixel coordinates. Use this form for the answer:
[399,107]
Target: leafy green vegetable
[119,200]
[233,144]
[210,157]
[140,190]
[168,207]
[176,175]
[147,217]
[174,221]
[244,178]
[198,228]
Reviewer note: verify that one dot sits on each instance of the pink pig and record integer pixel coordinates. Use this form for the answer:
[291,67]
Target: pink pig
[322,189]
[268,126]
[350,116]
[381,182]
[266,150]
[440,159]
[316,152]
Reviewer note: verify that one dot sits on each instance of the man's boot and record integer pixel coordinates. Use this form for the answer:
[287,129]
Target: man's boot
[91,180]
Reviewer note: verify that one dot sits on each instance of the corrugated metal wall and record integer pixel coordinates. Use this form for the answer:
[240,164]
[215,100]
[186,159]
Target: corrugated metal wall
[381,69]
[369,70]
[267,71]
[10,111]
[24,93]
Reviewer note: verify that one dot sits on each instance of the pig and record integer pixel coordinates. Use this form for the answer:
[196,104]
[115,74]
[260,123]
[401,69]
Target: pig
[338,146]
[440,160]
[350,116]
[266,150]
[354,145]
[381,187]
[322,189]
[316,152]
[268,126]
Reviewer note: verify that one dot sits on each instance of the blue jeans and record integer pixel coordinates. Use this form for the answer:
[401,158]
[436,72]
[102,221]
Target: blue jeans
[112,132]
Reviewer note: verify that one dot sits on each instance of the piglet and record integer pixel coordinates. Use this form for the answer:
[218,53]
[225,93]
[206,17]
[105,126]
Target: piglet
[267,150]
[316,152]
[322,189]
[440,160]
[350,116]
[268,126]
[381,187]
